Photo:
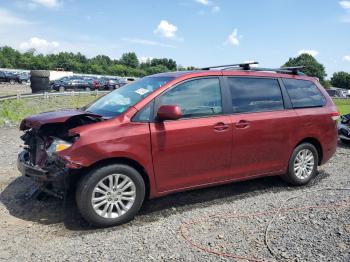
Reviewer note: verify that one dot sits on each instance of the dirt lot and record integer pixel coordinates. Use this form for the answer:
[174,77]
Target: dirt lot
[7,89]
[217,224]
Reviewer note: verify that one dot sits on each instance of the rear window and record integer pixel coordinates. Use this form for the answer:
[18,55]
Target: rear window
[304,93]
[255,94]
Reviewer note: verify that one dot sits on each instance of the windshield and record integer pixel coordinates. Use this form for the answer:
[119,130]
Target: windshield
[118,101]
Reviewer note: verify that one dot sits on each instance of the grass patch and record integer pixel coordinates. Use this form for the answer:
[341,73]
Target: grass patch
[13,111]
[343,105]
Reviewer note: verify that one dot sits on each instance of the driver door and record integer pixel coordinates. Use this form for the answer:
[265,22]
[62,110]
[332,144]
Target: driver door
[195,149]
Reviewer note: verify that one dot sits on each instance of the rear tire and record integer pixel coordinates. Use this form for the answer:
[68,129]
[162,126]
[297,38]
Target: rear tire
[12,82]
[61,89]
[106,202]
[302,166]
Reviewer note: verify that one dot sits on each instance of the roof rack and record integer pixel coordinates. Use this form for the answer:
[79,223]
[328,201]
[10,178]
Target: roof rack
[245,66]
[295,70]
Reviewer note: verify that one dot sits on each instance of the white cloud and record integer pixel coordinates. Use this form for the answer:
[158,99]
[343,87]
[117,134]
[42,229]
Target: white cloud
[40,45]
[146,42]
[309,52]
[166,29]
[8,18]
[216,9]
[233,38]
[47,3]
[203,2]
[345,4]
[346,58]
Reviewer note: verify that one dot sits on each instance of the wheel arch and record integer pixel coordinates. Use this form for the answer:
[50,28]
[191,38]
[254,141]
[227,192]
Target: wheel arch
[316,143]
[119,160]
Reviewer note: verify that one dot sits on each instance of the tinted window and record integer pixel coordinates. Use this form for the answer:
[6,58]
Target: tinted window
[304,93]
[255,94]
[199,97]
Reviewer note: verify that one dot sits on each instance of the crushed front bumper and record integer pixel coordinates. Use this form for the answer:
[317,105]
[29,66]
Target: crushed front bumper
[52,178]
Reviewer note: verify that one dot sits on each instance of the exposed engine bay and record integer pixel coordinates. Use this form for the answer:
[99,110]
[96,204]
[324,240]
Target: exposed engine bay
[37,141]
[38,159]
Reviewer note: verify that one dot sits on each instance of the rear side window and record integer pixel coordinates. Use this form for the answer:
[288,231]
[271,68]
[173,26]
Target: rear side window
[255,94]
[304,93]
[196,98]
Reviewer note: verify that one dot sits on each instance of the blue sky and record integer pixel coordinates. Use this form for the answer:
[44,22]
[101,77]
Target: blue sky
[193,32]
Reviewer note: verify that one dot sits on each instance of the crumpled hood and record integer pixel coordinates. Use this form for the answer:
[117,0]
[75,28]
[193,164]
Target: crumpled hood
[60,116]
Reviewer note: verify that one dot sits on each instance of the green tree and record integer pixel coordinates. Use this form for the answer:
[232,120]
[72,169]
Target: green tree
[9,57]
[341,79]
[327,84]
[128,65]
[168,63]
[130,60]
[156,69]
[312,66]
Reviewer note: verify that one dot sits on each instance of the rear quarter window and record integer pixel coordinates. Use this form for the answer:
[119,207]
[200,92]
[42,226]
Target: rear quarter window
[304,93]
[255,94]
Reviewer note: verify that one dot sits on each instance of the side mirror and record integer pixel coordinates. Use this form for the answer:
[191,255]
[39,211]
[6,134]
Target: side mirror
[169,112]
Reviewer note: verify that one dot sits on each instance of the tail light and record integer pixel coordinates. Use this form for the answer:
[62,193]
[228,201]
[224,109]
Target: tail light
[335,115]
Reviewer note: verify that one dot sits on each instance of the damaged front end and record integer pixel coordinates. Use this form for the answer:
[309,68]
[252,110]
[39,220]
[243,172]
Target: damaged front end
[46,137]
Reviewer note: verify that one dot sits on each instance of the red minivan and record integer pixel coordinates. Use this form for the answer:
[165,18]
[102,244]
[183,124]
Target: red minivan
[177,131]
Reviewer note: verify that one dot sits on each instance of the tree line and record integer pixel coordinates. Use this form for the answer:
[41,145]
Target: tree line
[314,68]
[129,65]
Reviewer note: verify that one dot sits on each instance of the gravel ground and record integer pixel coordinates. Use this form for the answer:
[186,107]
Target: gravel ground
[215,224]
[7,89]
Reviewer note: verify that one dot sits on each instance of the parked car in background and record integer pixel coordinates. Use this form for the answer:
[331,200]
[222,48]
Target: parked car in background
[178,131]
[98,83]
[24,78]
[55,84]
[114,83]
[7,77]
[344,128]
[111,83]
[337,92]
[72,84]
[122,82]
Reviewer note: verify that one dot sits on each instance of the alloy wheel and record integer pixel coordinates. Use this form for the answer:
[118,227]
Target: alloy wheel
[113,196]
[304,164]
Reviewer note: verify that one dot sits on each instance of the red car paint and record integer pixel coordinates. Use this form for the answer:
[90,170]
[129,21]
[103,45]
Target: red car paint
[191,153]
[51,117]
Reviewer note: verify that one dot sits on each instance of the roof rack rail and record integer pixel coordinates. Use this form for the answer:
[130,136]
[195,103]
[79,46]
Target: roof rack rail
[286,70]
[245,66]
[295,70]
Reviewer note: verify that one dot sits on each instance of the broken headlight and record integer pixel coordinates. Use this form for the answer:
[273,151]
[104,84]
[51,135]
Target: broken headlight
[58,145]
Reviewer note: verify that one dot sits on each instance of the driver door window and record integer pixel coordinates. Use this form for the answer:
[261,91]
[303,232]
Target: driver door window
[196,98]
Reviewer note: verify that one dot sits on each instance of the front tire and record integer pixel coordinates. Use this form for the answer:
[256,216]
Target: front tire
[110,195]
[302,165]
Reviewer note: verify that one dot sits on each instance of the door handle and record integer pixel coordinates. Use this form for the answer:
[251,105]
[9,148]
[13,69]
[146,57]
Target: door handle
[221,126]
[242,124]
